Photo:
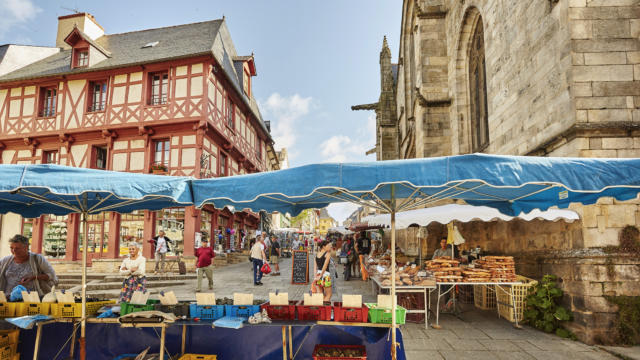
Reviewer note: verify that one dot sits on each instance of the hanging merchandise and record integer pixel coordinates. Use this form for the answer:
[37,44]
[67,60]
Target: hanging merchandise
[457,237]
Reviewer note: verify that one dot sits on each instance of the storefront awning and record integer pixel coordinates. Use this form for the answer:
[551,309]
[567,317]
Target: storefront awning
[464,213]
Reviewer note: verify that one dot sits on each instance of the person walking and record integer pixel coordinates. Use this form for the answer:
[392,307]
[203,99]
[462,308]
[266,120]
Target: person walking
[134,270]
[258,257]
[204,265]
[161,246]
[322,281]
[25,268]
[275,255]
[348,251]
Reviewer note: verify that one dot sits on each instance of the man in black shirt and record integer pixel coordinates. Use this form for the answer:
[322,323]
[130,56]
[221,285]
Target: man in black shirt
[275,255]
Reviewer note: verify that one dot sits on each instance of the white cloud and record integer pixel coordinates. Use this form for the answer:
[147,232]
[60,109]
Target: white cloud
[342,148]
[284,113]
[341,211]
[16,13]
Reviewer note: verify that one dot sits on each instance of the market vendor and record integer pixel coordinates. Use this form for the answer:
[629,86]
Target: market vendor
[25,268]
[443,251]
[133,268]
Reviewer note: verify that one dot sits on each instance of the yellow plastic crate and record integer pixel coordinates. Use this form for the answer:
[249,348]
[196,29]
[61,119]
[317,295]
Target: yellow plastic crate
[197,357]
[484,297]
[23,309]
[9,352]
[74,310]
[9,337]
[7,309]
[506,303]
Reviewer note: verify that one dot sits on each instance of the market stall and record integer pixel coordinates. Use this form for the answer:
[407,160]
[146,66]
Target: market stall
[511,184]
[34,190]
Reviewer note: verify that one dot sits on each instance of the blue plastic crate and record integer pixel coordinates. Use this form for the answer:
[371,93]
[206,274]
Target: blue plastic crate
[206,312]
[244,311]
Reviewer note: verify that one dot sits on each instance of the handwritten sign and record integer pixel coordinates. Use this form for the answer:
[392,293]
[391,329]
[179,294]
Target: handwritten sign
[300,267]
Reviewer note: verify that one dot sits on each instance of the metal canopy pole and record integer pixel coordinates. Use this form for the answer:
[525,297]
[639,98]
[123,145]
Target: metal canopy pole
[83,319]
[393,273]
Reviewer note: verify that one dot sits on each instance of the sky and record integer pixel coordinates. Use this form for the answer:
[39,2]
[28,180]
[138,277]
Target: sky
[314,59]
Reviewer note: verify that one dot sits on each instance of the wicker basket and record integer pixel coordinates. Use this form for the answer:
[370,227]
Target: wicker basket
[484,297]
[506,303]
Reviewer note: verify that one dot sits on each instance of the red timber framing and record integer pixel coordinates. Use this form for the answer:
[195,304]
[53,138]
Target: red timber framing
[191,119]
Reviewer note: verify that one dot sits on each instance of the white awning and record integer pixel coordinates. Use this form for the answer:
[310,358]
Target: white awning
[464,213]
[340,229]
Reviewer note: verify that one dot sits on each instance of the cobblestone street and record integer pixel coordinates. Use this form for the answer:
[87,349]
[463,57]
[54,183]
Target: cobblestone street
[474,335]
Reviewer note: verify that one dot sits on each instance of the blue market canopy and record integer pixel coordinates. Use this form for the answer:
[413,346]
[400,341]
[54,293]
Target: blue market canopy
[34,190]
[512,184]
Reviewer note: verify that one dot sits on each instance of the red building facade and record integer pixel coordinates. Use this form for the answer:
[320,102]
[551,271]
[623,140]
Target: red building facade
[174,100]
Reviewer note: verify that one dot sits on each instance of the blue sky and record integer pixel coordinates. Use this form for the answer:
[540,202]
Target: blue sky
[314,59]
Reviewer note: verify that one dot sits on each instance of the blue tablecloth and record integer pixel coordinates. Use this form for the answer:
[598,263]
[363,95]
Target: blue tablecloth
[107,341]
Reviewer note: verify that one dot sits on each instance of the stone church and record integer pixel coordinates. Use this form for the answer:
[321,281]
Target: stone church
[537,77]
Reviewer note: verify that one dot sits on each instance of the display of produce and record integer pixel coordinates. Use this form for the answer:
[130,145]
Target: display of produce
[331,352]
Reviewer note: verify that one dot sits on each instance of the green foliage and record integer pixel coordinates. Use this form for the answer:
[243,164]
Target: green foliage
[628,323]
[543,310]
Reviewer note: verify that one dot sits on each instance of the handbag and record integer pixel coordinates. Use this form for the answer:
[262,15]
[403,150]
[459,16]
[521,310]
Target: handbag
[266,269]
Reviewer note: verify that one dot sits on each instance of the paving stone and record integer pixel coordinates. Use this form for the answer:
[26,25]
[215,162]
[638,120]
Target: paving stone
[414,344]
[525,345]
[513,355]
[465,344]
[569,355]
[421,355]
[499,345]
[470,333]
[441,334]
[468,355]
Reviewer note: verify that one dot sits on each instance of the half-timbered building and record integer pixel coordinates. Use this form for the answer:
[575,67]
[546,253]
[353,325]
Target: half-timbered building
[176,100]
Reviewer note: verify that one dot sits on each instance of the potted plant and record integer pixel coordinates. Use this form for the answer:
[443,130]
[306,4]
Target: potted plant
[159,169]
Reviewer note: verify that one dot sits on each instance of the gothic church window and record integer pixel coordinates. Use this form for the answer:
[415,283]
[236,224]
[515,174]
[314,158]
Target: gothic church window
[478,91]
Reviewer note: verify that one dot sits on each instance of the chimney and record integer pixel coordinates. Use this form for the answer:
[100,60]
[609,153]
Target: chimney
[85,22]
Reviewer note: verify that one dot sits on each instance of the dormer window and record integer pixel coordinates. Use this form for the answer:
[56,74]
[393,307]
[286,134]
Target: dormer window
[82,58]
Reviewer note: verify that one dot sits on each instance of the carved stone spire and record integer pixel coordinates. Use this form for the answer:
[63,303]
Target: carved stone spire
[385,53]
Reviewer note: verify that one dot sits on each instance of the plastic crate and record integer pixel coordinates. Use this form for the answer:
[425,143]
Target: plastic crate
[507,305]
[206,312]
[243,311]
[127,308]
[360,348]
[179,310]
[280,312]
[74,310]
[9,337]
[313,313]
[384,315]
[197,357]
[9,352]
[484,297]
[342,314]
[7,309]
[24,309]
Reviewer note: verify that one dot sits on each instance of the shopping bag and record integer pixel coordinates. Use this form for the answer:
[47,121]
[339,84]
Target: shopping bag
[266,269]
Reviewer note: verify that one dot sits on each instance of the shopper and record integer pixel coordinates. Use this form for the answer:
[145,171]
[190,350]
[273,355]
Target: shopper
[161,246]
[134,269]
[204,264]
[322,280]
[25,268]
[258,257]
[348,250]
[275,255]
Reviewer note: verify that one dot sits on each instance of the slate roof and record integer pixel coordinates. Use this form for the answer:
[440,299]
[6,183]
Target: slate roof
[126,49]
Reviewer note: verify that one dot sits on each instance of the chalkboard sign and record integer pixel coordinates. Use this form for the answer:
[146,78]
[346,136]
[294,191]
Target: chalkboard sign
[300,267]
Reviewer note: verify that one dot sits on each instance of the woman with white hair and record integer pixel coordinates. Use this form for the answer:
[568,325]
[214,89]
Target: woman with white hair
[133,268]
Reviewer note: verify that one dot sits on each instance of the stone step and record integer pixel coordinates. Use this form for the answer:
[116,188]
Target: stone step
[118,284]
[152,277]
[78,276]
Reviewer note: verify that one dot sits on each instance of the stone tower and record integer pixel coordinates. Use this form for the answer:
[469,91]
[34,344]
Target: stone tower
[387,131]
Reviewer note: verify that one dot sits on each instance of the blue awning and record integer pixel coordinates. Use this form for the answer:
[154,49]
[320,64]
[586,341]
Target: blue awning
[512,184]
[34,190]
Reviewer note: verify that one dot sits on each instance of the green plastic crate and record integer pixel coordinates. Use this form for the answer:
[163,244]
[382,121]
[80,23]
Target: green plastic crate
[383,315]
[126,308]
